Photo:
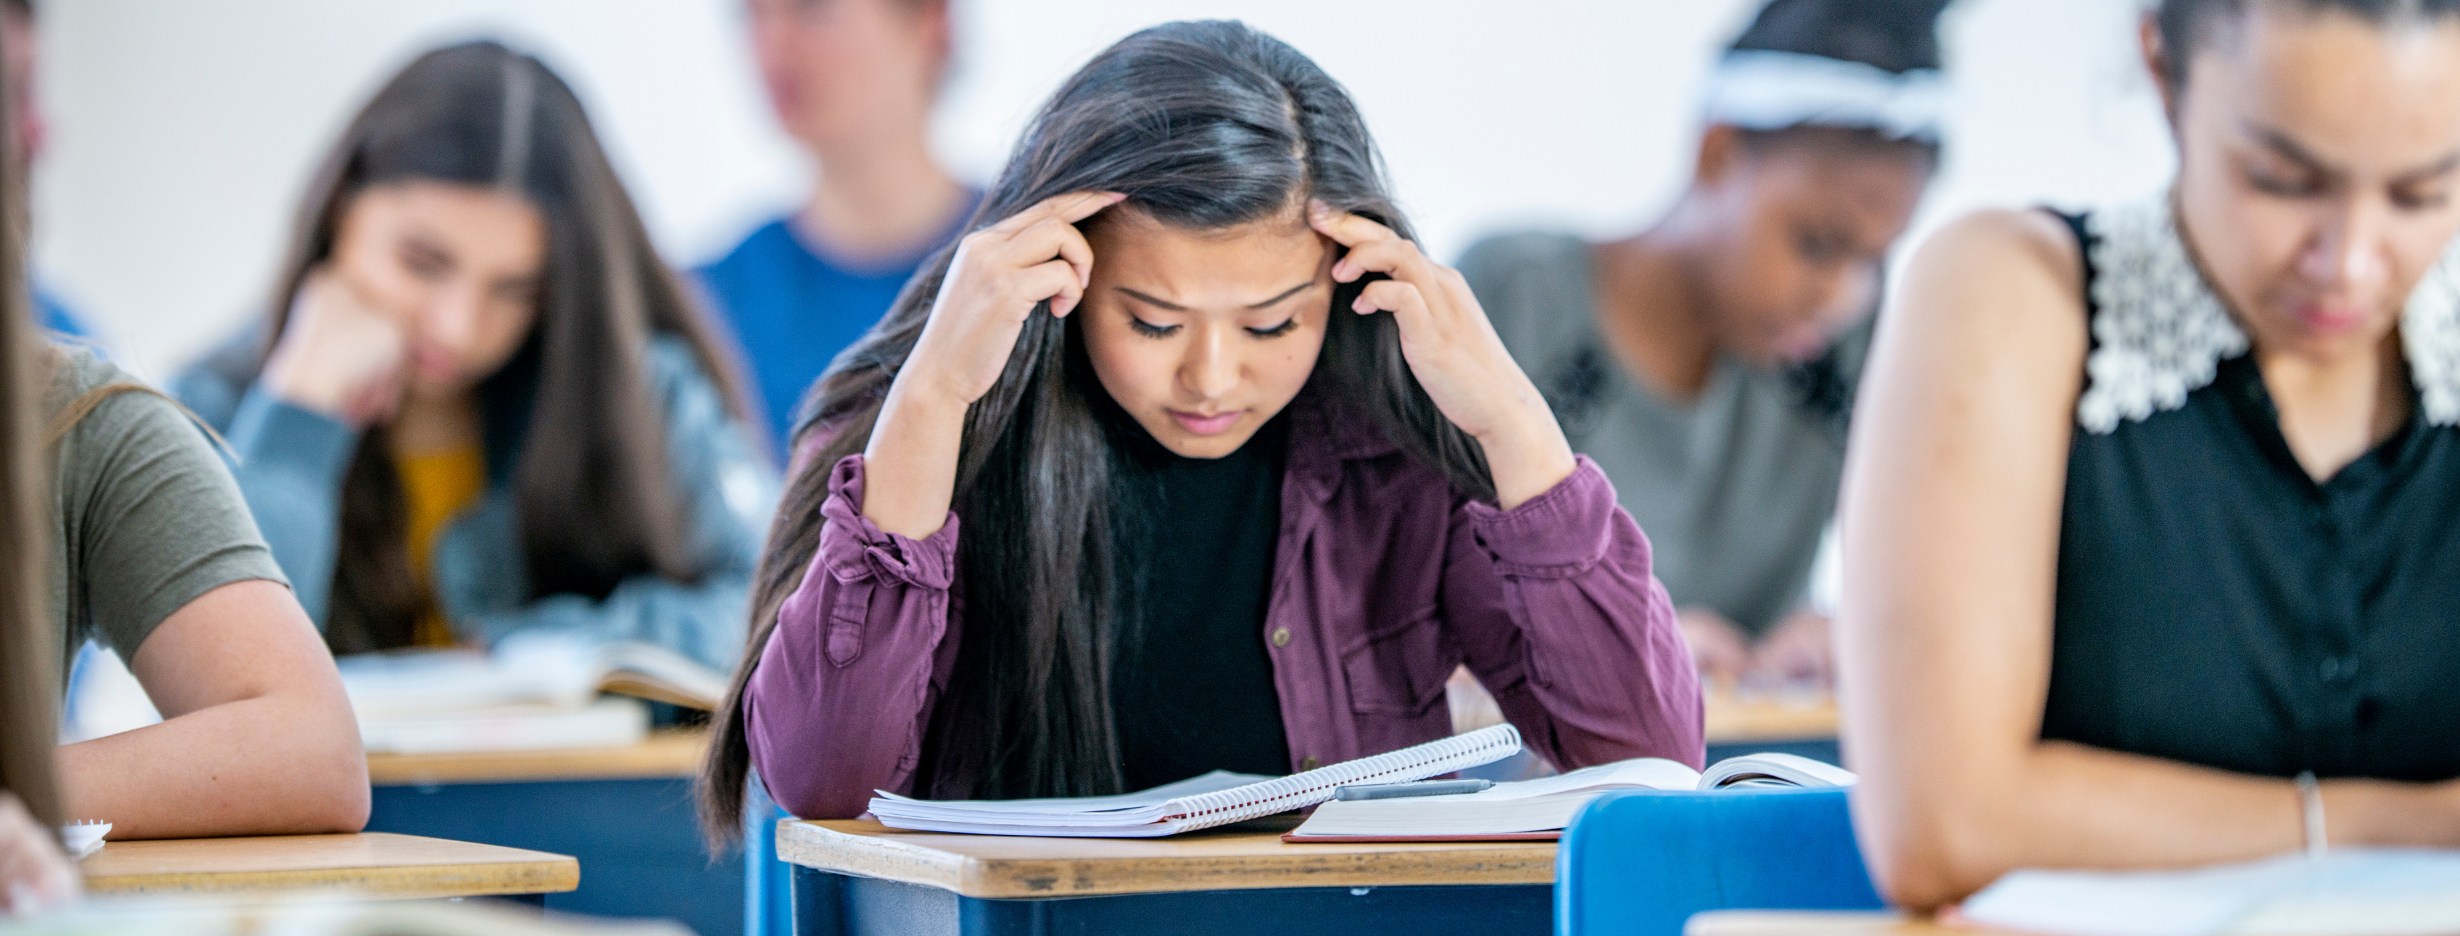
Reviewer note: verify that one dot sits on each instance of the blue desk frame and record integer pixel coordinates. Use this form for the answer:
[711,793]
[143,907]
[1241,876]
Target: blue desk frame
[638,842]
[830,904]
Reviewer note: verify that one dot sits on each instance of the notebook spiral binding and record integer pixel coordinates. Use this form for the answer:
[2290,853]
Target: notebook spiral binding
[1309,788]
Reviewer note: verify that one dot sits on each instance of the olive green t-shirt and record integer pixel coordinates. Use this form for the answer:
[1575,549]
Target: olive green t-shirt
[147,517]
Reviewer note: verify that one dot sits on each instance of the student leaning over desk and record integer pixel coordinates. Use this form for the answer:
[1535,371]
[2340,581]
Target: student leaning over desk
[1708,362]
[1188,459]
[2151,510]
[119,523]
[481,404]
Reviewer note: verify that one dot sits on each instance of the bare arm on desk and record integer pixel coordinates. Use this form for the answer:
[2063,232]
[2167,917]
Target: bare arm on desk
[258,738]
[1951,511]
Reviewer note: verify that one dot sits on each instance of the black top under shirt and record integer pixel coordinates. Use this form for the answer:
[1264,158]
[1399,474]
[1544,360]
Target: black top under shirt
[2217,605]
[1192,681]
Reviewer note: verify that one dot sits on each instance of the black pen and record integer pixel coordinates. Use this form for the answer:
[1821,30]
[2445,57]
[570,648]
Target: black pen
[1367,791]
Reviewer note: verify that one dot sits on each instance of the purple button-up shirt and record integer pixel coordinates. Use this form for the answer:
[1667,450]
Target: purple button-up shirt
[1384,579]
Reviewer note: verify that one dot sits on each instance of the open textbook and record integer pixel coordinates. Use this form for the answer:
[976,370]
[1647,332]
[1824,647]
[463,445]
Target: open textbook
[533,691]
[1541,808]
[1217,798]
[2352,892]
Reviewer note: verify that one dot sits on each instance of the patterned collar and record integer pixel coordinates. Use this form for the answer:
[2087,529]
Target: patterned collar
[2161,332]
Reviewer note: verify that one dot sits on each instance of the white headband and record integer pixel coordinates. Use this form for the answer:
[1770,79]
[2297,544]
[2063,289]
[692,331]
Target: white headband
[1761,90]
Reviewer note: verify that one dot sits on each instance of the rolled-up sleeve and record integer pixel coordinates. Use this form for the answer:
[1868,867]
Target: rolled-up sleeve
[1561,616]
[837,706]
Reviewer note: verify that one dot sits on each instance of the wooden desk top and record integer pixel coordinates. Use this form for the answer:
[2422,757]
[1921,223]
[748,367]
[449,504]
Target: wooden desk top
[1805,923]
[1741,721]
[1246,856]
[370,864]
[673,753]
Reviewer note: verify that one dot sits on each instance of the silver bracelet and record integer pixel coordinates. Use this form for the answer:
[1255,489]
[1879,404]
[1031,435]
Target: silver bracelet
[2310,806]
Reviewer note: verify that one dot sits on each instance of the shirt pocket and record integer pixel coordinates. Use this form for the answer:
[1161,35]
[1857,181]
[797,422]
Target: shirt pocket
[1398,672]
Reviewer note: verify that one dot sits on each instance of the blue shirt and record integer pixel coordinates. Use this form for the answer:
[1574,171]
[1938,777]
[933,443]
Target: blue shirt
[54,315]
[794,310]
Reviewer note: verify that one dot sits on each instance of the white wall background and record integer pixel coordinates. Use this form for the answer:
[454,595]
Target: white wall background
[181,132]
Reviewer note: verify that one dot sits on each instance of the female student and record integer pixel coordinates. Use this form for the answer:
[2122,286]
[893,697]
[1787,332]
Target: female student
[1186,459]
[141,541]
[1707,363]
[853,81]
[2149,511]
[34,875]
[482,405]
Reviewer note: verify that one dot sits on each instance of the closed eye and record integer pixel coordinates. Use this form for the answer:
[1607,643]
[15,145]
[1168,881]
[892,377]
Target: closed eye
[1149,329]
[1286,326]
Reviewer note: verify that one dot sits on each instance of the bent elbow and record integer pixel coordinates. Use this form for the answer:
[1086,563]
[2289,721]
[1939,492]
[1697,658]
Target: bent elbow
[820,802]
[1926,856]
[338,799]
[347,810]
[1914,879]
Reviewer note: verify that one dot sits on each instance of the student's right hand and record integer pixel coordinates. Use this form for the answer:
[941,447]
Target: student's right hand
[998,276]
[341,354]
[996,279]
[34,874]
[1718,647]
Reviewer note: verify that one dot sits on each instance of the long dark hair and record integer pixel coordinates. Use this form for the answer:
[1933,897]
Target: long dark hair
[30,653]
[589,472]
[1204,126]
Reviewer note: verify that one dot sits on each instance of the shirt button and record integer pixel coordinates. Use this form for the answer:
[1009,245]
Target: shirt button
[1308,762]
[1281,638]
[2335,669]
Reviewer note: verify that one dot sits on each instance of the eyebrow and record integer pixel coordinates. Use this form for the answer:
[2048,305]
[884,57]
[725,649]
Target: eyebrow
[1175,307]
[2280,143]
[2286,148]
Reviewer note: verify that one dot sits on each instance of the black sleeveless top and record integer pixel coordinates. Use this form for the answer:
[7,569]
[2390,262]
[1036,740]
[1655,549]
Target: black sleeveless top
[2215,605]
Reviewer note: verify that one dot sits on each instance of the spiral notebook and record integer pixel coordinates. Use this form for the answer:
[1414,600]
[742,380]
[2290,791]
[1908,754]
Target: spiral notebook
[1217,798]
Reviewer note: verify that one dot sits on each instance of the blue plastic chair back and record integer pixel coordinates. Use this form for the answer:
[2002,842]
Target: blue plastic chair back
[1640,863]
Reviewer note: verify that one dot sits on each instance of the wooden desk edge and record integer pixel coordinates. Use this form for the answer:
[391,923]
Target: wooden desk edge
[484,879]
[817,845]
[1822,923]
[665,755]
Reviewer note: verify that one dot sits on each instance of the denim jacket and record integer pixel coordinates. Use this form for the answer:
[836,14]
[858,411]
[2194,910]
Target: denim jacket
[291,463]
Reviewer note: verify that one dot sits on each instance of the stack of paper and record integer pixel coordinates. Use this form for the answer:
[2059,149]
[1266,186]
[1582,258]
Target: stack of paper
[1541,808]
[533,692]
[2355,892]
[1215,799]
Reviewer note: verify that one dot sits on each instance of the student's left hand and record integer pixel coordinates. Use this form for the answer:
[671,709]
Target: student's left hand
[1455,353]
[34,875]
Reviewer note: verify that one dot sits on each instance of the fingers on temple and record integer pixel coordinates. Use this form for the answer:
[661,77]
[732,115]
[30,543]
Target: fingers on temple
[1067,209]
[1398,297]
[1057,281]
[1048,238]
[1347,229]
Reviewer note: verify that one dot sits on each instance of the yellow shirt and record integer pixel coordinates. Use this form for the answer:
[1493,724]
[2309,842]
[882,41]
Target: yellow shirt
[434,487]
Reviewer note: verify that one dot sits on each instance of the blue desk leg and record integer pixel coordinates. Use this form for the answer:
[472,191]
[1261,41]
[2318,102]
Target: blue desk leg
[638,842]
[836,905]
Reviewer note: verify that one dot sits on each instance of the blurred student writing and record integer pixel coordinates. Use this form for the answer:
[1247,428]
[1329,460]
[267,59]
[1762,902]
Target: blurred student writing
[1708,362]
